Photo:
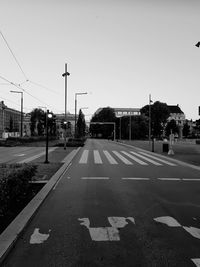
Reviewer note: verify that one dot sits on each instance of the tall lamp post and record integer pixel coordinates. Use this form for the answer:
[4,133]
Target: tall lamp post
[150,101]
[19,92]
[76,94]
[65,75]
[48,116]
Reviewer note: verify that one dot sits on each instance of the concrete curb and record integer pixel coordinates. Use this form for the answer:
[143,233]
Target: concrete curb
[185,164]
[10,235]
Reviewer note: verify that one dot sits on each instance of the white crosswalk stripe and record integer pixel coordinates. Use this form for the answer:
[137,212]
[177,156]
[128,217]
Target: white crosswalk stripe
[134,158]
[116,157]
[109,157]
[122,158]
[84,157]
[97,158]
[147,159]
[159,159]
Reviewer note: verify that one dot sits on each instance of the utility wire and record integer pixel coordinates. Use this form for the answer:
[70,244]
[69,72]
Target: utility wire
[26,78]
[19,87]
[13,55]
[42,86]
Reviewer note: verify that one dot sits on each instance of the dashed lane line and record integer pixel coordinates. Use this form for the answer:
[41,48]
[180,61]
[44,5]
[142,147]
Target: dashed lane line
[95,178]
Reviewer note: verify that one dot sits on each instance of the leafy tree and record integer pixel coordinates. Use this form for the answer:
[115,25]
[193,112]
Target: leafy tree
[186,129]
[38,119]
[171,126]
[81,125]
[139,127]
[52,125]
[159,115]
[107,114]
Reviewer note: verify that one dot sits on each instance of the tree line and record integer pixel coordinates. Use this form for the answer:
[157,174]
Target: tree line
[139,129]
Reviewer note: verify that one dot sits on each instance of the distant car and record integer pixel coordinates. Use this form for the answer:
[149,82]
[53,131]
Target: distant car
[110,137]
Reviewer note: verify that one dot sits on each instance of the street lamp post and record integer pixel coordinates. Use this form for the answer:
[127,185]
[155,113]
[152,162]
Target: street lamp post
[48,116]
[130,127]
[76,94]
[120,134]
[19,92]
[65,75]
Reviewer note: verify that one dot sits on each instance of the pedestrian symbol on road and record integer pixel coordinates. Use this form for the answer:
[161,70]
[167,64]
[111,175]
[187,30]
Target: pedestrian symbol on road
[110,233]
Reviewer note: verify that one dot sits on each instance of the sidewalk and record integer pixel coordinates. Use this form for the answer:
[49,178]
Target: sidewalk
[185,151]
[60,157]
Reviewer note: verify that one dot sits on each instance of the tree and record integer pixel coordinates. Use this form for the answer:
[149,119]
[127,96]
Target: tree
[107,114]
[52,125]
[81,125]
[171,127]
[139,127]
[159,115]
[186,130]
[38,121]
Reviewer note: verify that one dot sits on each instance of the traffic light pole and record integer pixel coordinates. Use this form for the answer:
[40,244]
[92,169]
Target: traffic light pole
[47,137]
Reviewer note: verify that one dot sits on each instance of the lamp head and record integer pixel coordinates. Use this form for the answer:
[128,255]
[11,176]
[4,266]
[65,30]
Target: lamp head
[198,44]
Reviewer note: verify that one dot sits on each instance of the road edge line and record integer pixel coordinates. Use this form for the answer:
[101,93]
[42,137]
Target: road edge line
[9,236]
[185,164]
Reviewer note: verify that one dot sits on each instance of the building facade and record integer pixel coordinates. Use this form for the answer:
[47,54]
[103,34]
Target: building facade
[176,114]
[10,121]
[120,112]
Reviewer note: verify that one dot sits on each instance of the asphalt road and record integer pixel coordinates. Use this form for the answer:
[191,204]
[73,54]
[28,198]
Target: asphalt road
[116,206]
[11,155]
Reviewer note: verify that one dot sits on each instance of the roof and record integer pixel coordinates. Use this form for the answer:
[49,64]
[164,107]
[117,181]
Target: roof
[174,109]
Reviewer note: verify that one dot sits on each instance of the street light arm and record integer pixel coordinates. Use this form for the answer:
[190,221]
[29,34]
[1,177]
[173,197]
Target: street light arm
[65,74]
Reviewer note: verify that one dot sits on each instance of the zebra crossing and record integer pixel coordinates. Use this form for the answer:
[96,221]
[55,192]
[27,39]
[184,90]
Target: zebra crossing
[122,157]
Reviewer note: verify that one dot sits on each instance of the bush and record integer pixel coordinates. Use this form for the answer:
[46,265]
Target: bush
[12,141]
[75,142]
[15,188]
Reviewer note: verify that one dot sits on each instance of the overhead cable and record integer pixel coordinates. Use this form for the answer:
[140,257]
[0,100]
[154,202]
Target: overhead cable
[13,55]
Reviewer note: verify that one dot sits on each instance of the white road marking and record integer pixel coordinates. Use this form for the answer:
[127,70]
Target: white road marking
[19,155]
[109,157]
[159,159]
[123,159]
[147,159]
[84,157]
[191,179]
[135,178]
[196,262]
[106,233]
[95,178]
[36,156]
[169,179]
[195,232]
[97,158]
[169,221]
[134,158]
[37,237]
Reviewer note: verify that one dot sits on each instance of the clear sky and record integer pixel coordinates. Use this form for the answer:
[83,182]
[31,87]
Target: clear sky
[119,51]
